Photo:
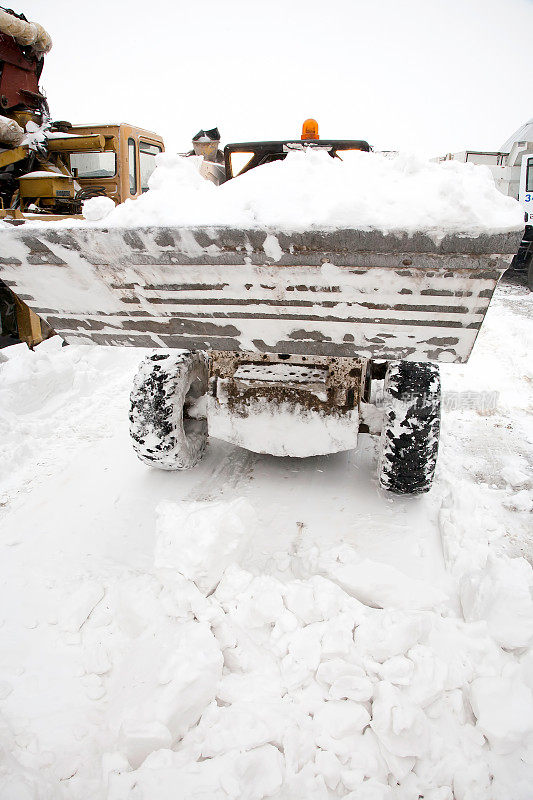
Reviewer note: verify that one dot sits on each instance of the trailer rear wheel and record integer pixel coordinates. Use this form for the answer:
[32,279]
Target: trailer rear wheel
[410,434]
[166,428]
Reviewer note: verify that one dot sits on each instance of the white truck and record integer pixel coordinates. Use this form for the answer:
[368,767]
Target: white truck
[512,168]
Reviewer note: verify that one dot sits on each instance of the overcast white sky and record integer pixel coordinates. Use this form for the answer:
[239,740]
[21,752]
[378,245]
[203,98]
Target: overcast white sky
[417,74]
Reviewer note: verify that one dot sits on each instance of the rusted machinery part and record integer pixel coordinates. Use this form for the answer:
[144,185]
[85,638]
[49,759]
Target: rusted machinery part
[27,34]
[338,382]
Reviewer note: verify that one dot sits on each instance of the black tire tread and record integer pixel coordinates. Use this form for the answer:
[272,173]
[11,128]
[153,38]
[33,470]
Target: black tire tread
[157,403]
[410,434]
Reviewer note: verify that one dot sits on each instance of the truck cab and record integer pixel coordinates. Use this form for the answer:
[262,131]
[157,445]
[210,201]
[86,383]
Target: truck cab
[122,167]
[80,162]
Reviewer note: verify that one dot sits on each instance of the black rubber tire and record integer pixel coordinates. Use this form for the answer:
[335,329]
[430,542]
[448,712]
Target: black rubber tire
[163,434]
[530,274]
[410,434]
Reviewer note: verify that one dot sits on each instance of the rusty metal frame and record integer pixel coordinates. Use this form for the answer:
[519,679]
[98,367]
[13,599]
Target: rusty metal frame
[345,380]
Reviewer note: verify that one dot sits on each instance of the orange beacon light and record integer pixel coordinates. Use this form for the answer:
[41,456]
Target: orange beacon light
[310,129]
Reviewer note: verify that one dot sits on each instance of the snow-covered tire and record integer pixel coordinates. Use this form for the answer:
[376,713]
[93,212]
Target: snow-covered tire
[165,386]
[410,433]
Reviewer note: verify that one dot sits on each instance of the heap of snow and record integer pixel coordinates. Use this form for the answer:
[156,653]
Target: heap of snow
[347,681]
[367,191]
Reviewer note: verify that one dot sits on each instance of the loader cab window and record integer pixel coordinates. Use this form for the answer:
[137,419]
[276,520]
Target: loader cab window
[529,176]
[239,157]
[348,156]
[239,161]
[147,154]
[94,165]
[132,166]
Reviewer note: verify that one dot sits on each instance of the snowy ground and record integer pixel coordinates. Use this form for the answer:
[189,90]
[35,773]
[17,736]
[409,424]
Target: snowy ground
[355,644]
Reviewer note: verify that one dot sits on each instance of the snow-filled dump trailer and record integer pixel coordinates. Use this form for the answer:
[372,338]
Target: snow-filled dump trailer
[286,336]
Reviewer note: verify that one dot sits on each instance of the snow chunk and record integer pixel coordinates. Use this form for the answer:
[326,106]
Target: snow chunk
[200,539]
[240,727]
[352,687]
[501,595]
[341,718]
[382,586]
[272,247]
[96,208]
[520,501]
[139,738]
[373,790]
[514,476]
[399,724]
[172,674]
[234,776]
[504,711]
[391,633]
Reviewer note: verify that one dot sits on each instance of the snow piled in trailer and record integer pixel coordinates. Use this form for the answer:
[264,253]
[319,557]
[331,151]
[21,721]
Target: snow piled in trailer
[368,191]
[257,627]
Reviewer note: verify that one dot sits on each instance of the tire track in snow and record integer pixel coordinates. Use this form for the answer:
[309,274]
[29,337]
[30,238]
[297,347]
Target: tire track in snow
[230,472]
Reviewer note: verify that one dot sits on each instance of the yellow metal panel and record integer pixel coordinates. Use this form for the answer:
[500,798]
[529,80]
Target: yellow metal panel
[111,144]
[12,156]
[76,144]
[28,324]
[15,214]
[11,213]
[41,186]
